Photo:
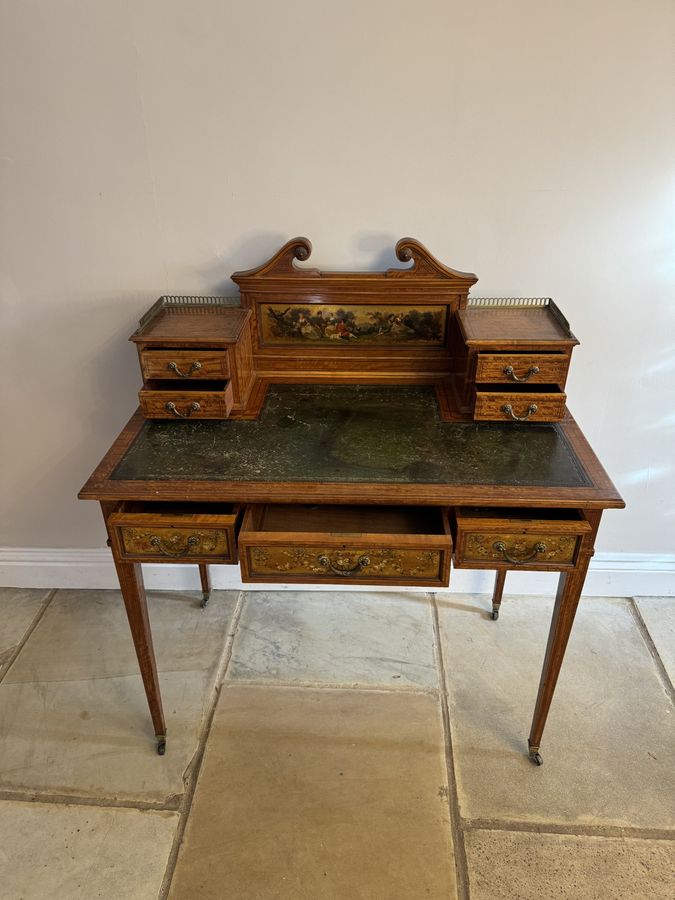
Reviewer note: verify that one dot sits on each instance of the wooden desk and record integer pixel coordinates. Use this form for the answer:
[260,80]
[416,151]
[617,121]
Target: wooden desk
[371,445]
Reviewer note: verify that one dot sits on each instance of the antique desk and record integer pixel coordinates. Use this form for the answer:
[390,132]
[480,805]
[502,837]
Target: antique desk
[352,446]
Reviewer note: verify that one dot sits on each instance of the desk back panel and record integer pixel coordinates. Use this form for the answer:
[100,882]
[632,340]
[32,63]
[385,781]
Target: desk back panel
[374,326]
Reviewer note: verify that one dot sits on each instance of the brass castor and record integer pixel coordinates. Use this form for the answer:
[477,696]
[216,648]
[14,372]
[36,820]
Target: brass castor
[536,757]
[494,615]
[205,599]
[161,745]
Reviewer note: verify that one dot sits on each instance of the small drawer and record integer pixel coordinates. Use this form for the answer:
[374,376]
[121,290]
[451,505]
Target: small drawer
[521,368]
[529,403]
[189,400]
[183,364]
[488,538]
[175,532]
[296,544]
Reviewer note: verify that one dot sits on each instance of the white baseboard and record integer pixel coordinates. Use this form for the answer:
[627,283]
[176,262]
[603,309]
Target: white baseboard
[610,575]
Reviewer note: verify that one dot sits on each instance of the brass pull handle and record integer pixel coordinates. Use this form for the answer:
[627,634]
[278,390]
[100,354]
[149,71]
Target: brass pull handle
[193,407]
[361,563]
[507,408]
[195,367]
[156,542]
[500,547]
[533,370]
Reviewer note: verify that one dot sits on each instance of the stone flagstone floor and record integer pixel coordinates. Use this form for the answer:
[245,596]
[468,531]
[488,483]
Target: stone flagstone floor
[334,746]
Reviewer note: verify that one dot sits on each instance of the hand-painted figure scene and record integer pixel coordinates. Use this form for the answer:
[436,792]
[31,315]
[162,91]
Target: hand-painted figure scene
[353,324]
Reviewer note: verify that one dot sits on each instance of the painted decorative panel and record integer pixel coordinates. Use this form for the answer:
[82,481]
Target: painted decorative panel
[351,324]
[366,562]
[523,549]
[176,542]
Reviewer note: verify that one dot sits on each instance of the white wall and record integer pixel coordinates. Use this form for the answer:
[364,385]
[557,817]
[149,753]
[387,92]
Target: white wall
[156,146]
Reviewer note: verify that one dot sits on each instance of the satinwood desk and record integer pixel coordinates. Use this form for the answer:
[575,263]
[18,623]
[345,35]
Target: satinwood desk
[371,483]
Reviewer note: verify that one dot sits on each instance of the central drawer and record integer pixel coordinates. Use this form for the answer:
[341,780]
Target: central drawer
[394,545]
[174,532]
[490,538]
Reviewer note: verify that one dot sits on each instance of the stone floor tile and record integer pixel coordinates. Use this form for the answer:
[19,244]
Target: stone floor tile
[608,744]
[81,852]
[526,866]
[658,614]
[73,713]
[319,795]
[85,634]
[95,738]
[383,639]
[18,608]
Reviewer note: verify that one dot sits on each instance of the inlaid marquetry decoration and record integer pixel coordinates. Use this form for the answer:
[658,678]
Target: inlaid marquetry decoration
[352,324]
[525,549]
[175,542]
[364,563]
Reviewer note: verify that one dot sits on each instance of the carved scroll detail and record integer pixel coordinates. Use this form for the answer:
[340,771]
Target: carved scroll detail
[407,249]
[282,263]
[424,263]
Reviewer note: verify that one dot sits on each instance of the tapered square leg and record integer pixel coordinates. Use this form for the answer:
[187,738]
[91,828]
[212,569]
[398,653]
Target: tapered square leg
[135,602]
[130,577]
[570,585]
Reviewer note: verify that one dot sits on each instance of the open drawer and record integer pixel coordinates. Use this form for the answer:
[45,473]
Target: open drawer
[494,538]
[186,400]
[395,545]
[175,532]
[526,403]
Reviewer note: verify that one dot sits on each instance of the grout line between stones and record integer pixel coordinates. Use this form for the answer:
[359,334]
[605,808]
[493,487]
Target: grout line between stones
[604,831]
[193,768]
[77,800]
[651,646]
[456,823]
[330,686]
[37,618]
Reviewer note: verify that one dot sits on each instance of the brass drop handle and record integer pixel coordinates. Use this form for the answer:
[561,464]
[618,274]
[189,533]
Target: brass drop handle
[500,547]
[533,370]
[195,367]
[507,408]
[156,542]
[361,563]
[193,407]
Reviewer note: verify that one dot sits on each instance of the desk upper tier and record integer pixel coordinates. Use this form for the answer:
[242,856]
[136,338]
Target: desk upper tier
[353,444]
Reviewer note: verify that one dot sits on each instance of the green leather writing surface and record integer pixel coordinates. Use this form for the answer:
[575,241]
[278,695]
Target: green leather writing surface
[352,434]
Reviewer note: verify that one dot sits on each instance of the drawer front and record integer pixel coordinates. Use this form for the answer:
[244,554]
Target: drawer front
[510,406]
[514,368]
[355,564]
[529,551]
[163,534]
[170,404]
[178,544]
[185,364]
[536,539]
[346,544]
